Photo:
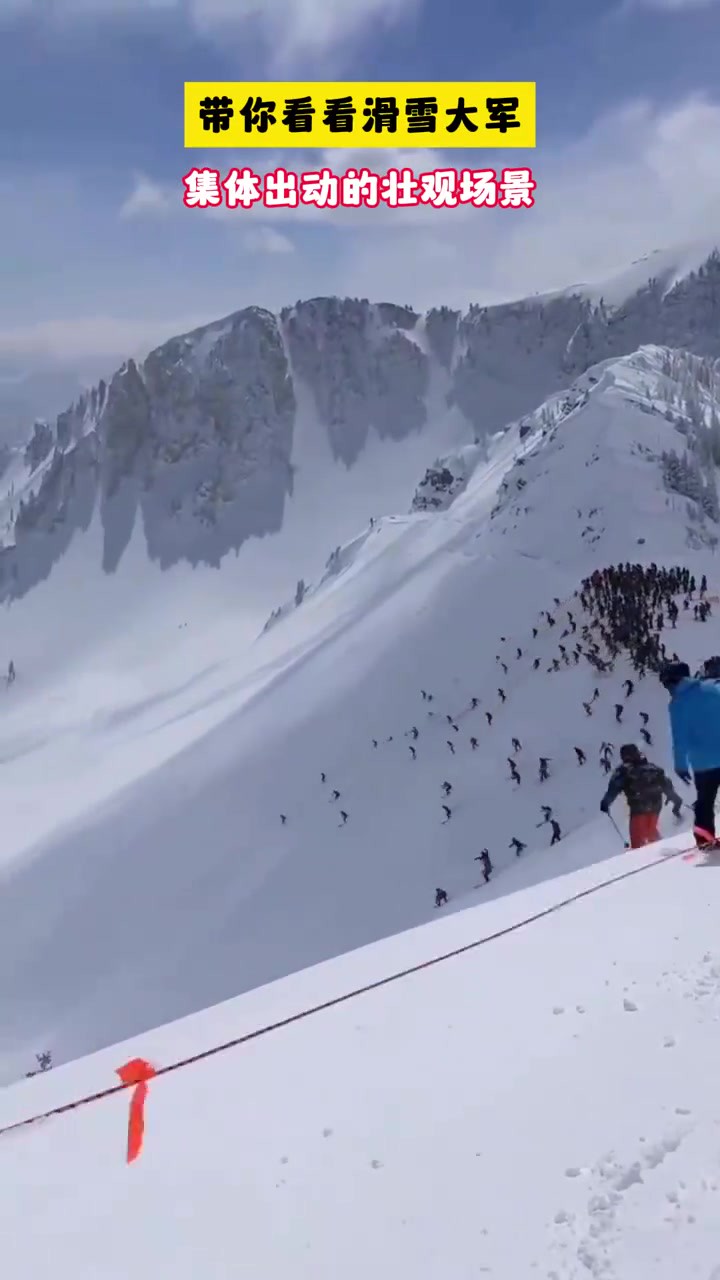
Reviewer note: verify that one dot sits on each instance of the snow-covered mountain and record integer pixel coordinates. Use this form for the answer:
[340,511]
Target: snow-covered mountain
[405,1109]
[147,871]
[204,445]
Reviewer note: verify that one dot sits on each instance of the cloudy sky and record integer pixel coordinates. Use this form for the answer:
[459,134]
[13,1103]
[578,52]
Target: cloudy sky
[101,259]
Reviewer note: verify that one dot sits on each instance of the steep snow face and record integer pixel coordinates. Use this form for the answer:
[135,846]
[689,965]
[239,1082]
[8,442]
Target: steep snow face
[147,871]
[453,1100]
[202,446]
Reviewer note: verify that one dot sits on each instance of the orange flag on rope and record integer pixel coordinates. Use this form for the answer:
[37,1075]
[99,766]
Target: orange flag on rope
[136,1072]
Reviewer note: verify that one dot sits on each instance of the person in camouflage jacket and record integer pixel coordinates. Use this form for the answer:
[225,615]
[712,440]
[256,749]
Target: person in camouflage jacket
[645,787]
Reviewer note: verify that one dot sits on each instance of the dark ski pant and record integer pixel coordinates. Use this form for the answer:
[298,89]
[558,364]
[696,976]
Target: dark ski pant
[707,784]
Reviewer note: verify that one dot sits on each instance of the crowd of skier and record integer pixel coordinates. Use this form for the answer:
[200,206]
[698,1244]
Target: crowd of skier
[623,612]
[619,613]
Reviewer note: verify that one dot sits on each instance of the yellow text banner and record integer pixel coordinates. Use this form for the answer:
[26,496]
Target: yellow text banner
[355,115]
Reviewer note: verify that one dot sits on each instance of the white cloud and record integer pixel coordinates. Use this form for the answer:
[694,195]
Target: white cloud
[93,338]
[267,240]
[296,27]
[146,197]
[644,177]
[292,28]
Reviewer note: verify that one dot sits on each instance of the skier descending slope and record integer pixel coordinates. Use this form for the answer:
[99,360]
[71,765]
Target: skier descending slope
[695,728]
[487,866]
[644,786]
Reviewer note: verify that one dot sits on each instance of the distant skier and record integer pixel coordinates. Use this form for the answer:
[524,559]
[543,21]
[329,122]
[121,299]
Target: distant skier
[596,695]
[10,673]
[451,746]
[344,816]
[415,733]
[556,832]
[536,664]
[644,734]
[487,866]
[516,744]
[581,757]
[514,773]
[629,687]
[535,633]
[413,753]
[474,744]
[446,789]
[488,717]
[619,712]
[546,811]
[374,742]
[475,703]
[283,818]
[323,777]
[605,764]
[519,653]
[504,667]
[448,814]
[544,762]
[501,695]
[336,795]
[517,845]
[440,897]
[449,719]
[424,695]
[645,787]
[644,717]
[588,708]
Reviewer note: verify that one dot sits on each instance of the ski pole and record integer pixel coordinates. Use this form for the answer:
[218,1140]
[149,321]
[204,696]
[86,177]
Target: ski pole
[620,834]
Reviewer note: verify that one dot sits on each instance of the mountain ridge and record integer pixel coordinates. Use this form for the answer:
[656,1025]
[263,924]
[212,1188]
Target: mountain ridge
[195,443]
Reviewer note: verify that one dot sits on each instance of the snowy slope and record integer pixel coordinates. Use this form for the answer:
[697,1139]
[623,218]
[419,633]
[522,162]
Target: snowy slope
[532,1106]
[146,872]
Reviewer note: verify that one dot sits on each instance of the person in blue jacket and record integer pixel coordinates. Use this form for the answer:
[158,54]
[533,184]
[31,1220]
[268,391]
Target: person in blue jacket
[695,729]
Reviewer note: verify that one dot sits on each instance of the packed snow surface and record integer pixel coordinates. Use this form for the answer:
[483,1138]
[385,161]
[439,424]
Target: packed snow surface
[545,1104]
[146,872]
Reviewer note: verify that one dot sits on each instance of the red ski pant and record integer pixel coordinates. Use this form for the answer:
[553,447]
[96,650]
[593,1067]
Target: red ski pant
[643,829]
